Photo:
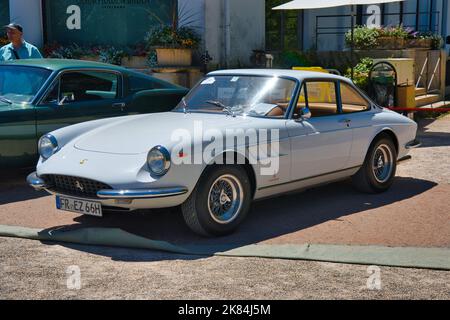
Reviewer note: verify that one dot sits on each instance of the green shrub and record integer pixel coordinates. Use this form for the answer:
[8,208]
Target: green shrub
[363,37]
[291,58]
[361,73]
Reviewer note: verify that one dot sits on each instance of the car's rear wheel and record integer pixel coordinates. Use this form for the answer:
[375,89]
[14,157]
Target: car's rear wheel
[219,202]
[378,171]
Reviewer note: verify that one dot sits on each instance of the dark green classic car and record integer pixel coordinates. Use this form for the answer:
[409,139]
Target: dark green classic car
[41,95]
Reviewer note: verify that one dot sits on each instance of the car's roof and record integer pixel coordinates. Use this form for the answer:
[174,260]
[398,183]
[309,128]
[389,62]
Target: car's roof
[58,64]
[297,74]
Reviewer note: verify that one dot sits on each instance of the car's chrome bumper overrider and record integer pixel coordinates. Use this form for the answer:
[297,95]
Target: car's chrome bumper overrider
[39,184]
[413,144]
[34,181]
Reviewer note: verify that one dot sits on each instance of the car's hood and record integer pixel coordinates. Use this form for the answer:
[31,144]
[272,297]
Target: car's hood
[5,107]
[134,135]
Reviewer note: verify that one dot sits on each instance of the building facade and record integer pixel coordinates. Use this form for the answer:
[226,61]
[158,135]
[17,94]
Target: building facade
[230,29]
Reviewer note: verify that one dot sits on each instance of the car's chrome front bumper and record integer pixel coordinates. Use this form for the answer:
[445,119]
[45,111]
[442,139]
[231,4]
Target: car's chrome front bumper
[130,194]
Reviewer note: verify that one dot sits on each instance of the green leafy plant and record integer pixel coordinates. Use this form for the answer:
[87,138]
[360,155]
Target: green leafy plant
[363,37]
[177,34]
[58,51]
[292,58]
[436,40]
[361,73]
[111,55]
[168,37]
[368,38]
[394,32]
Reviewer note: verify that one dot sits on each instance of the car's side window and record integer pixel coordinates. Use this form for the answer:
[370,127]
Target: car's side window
[138,83]
[84,86]
[321,97]
[352,101]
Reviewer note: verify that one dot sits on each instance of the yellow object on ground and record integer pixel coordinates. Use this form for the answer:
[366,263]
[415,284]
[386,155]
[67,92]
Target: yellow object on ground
[406,96]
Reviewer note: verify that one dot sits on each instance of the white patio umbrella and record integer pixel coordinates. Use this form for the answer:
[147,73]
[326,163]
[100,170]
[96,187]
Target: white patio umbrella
[319,4]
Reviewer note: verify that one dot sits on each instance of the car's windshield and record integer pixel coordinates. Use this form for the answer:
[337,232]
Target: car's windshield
[20,83]
[241,95]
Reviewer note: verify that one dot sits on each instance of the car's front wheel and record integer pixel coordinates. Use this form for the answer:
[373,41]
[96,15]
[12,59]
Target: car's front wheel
[219,202]
[378,171]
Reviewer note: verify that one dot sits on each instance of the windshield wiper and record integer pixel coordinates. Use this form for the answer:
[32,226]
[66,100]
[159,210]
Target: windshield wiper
[225,108]
[3,99]
[185,106]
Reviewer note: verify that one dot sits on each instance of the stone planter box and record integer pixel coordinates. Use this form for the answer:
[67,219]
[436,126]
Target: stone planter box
[174,57]
[135,62]
[390,43]
[420,43]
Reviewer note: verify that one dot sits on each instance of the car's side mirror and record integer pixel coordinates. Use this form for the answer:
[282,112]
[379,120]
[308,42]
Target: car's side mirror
[304,115]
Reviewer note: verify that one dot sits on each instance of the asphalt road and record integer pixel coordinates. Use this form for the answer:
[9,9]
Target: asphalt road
[414,213]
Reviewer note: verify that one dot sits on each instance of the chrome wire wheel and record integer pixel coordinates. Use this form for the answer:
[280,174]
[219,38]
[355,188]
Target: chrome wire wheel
[382,163]
[225,199]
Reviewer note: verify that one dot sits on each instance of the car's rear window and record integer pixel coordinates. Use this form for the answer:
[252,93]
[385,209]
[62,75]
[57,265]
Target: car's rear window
[140,83]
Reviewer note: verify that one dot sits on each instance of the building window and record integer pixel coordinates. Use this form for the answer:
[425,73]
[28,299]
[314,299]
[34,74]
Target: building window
[282,27]
[97,22]
[4,12]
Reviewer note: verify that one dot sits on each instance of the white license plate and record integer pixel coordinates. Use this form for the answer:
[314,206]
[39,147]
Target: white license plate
[79,206]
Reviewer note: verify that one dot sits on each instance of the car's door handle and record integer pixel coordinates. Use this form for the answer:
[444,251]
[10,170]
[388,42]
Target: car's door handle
[345,121]
[120,105]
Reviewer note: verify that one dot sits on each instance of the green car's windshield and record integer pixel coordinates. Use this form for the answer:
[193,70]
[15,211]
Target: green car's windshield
[256,96]
[20,83]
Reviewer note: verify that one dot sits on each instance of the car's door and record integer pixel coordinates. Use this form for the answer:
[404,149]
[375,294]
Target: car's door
[19,86]
[356,109]
[78,96]
[322,143]
[17,135]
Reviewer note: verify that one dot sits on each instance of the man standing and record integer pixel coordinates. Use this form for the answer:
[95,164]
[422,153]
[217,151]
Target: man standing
[18,48]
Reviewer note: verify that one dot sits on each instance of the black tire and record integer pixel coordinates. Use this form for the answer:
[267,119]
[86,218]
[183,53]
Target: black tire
[366,179]
[197,212]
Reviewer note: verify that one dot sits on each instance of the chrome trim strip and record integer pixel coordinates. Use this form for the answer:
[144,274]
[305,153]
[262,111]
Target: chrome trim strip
[141,193]
[308,178]
[34,181]
[413,144]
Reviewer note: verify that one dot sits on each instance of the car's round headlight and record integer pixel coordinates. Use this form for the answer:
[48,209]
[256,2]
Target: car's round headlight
[158,160]
[48,146]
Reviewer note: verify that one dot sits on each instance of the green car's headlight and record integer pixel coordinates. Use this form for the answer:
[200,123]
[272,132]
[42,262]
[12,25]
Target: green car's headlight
[47,146]
[158,160]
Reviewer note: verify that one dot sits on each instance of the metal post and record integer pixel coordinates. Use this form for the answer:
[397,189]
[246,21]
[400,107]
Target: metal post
[402,9]
[417,15]
[352,46]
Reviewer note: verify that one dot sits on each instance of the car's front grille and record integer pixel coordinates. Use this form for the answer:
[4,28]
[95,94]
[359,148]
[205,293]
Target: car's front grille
[74,186]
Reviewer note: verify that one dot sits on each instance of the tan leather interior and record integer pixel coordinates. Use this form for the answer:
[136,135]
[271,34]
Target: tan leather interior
[277,111]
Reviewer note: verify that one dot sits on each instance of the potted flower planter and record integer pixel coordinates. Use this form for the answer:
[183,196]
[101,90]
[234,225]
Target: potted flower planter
[420,43]
[169,57]
[390,43]
[135,62]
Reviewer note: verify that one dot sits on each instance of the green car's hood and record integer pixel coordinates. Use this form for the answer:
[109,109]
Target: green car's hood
[5,107]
